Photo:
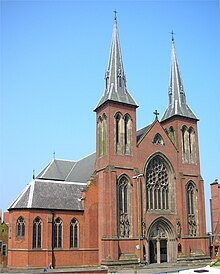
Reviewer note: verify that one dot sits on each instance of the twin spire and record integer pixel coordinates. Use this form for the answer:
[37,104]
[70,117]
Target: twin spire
[115,82]
[177,99]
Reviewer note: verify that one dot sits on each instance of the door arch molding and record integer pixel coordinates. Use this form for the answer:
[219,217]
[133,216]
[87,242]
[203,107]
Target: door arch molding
[161,240]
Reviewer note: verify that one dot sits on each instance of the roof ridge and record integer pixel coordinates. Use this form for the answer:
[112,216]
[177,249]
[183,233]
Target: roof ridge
[70,170]
[46,169]
[30,198]
[87,156]
[64,160]
[51,181]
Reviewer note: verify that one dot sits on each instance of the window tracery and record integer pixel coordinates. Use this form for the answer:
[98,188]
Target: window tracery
[157,185]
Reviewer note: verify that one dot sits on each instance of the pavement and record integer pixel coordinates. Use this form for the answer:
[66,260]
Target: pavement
[163,268]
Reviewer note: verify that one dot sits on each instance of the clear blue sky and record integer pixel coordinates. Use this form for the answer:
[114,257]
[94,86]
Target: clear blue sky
[53,58]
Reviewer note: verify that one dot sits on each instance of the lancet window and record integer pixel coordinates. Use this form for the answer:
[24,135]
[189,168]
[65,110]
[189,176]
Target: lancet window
[171,134]
[74,233]
[157,185]
[124,210]
[20,227]
[188,145]
[37,232]
[102,133]
[123,134]
[191,208]
[58,233]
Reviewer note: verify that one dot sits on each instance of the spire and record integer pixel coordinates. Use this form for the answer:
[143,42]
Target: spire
[115,80]
[177,98]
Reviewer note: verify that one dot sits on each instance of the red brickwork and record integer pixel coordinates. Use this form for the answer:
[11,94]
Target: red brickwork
[215,218]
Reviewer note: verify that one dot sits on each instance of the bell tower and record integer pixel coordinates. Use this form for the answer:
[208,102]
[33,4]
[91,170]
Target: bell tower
[115,112]
[180,124]
[115,155]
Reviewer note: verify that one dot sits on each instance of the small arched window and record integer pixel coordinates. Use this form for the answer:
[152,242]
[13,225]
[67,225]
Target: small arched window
[158,140]
[20,227]
[74,233]
[58,233]
[179,248]
[37,232]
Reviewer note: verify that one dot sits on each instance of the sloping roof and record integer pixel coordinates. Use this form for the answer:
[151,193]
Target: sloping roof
[177,98]
[58,186]
[141,132]
[115,80]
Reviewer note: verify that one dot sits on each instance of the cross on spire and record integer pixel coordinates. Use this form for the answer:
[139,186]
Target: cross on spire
[115,12]
[172,33]
[156,113]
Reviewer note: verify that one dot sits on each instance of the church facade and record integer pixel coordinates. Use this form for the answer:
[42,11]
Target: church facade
[138,199]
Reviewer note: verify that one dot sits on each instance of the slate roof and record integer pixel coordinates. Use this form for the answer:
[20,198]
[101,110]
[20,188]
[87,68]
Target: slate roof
[141,132]
[58,186]
[115,86]
[177,98]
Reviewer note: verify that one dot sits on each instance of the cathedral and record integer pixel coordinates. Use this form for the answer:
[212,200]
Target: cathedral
[139,199]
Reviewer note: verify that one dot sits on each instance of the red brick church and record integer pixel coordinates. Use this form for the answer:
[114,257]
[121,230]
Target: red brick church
[138,199]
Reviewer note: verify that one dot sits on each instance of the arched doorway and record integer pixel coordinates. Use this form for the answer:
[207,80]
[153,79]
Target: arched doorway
[161,242]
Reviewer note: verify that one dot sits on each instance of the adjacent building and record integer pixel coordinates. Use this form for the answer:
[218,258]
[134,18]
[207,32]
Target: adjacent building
[3,242]
[138,199]
[215,219]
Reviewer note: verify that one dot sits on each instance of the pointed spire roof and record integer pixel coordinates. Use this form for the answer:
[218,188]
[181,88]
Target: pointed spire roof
[115,80]
[177,98]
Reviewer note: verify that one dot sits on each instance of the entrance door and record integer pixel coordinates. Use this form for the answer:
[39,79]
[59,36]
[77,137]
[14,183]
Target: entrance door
[153,251]
[163,251]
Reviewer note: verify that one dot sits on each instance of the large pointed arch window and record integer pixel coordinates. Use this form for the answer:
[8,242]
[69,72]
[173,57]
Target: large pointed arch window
[191,208]
[124,207]
[37,232]
[20,227]
[58,233]
[159,190]
[74,233]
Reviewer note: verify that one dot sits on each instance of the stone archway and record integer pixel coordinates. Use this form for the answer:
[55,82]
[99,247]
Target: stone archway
[161,242]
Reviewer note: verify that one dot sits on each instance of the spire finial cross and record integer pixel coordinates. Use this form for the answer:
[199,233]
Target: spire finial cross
[172,33]
[156,113]
[115,12]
